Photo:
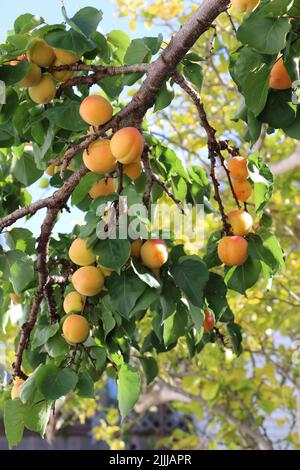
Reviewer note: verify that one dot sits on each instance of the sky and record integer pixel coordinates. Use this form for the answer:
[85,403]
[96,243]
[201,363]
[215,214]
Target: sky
[50,10]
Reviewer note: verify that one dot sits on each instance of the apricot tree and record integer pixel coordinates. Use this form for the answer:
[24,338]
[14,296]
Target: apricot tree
[117,282]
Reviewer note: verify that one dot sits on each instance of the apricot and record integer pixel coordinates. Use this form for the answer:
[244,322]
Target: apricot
[154,253]
[242,190]
[51,170]
[104,187]
[279,77]
[44,92]
[244,6]
[61,75]
[15,392]
[41,54]
[66,57]
[209,321]
[16,299]
[95,110]
[88,280]
[233,250]
[32,77]
[133,170]
[136,246]
[80,254]
[73,303]
[76,329]
[127,145]
[98,157]
[238,168]
[105,271]
[240,221]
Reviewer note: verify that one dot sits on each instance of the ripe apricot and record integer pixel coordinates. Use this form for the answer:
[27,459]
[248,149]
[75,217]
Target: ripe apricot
[15,392]
[88,280]
[32,77]
[16,299]
[50,170]
[80,254]
[154,253]
[76,329]
[136,246]
[95,110]
[240,221]
[98,157]
[41,54]
[233,250]
[105,271]
[61,75]
[104,187]
[209,321]
[44,92]
[133,170]
[73,302]
[238,168]
[66,57]
[242,190]
[279,78]
[127,145]
[244,6]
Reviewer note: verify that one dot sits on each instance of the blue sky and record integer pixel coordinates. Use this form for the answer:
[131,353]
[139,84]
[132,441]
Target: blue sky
[50,10]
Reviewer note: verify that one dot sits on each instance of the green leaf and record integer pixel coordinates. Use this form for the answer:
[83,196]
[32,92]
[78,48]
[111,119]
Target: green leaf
[87,20]
[210,390]
[85,386]
[174,325]
[148,297]
[60,116]
[126,288]
[12,74]
[241,278]
[169,297]
[22,273]
[150,368]
[21,239]
[293,130]
[14,421]
[24,169]
[113,253]
[103,50]
[27,22]
[235,335]
[42,333]
[272,244]
[8,109]
[120,42]
[100,355]
[137,52]
[83,187]
[54,383]
[266,35]
[215,294]
[29,390]
[71,41]
[164,97]
[37,417]
[144,274]
[191,275]
[211,257]
[56,346]
[279,111]
[129,386]
[193,72]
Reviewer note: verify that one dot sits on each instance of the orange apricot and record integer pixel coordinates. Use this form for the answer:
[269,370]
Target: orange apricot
[15,298]
[240,221]
[32,77]
[133,170]
[242,190]
[66,57]
[238,168]
[61,75]
[154,253]
[279,77]
[136,246]
[127,145]
[244,6]
[41,53]
[88,280]
[15,392]
[73,303]
[104,187]
[76,329]
[95,110]
[44,92]
[233,250]
[80,254]
[98,157]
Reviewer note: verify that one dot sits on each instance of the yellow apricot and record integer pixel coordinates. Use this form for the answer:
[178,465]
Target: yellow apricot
[242,190]
[233,250]
[15,392]
[127,145]
[61,75]
[154,253]
[16,299]
[32,77]
[95,110]
[50,170]
[238,168]
[244,6]
[136,246]
[73,302]
[66,57]
[41,54]
[88,280]
[279,78]
[105,271]
[76,329]
[80,254]
[240,221]
[104,187]
[98,157]
[133,170]
[44,92]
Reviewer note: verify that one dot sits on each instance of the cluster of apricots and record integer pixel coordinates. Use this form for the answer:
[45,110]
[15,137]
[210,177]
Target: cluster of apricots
[88,281]
[233,249]
[41,84]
